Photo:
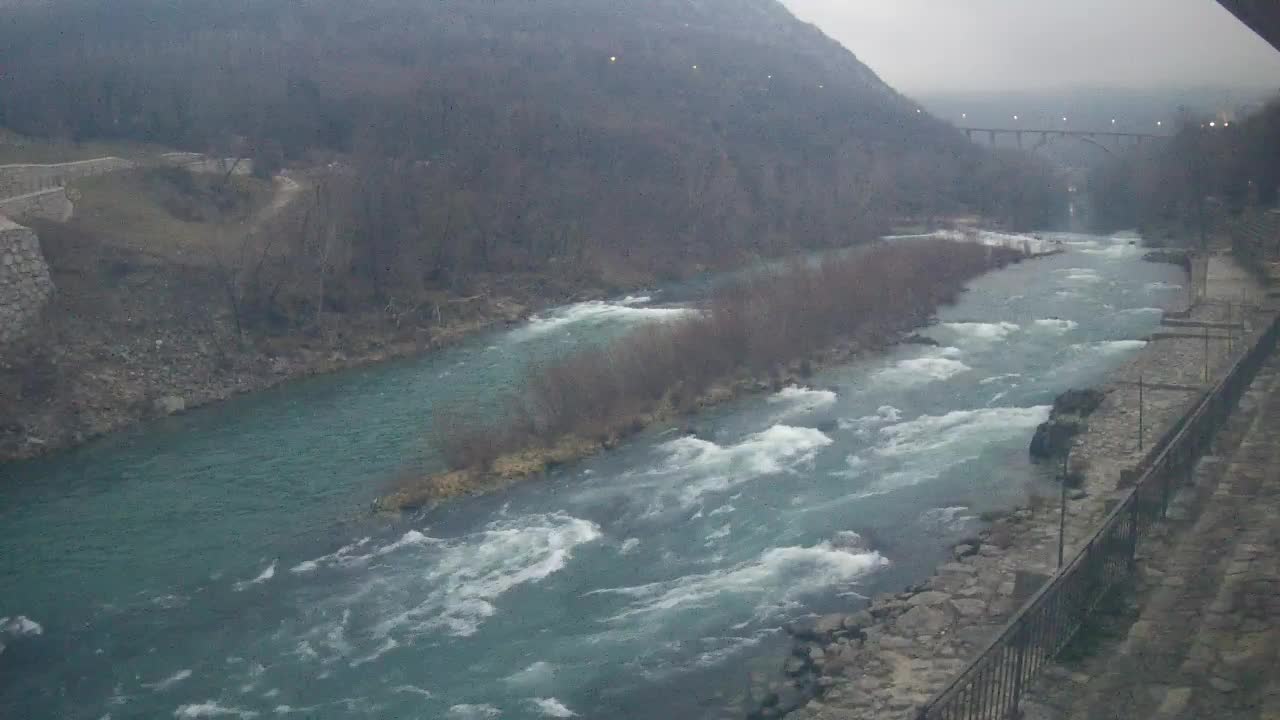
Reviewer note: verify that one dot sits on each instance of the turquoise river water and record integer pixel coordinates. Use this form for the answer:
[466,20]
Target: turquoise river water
[223,564]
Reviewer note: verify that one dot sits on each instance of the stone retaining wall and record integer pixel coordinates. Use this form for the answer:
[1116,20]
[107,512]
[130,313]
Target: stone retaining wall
[25,285]
[25,179]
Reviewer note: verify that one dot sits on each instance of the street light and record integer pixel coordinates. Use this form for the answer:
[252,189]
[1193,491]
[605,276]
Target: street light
[1015,118]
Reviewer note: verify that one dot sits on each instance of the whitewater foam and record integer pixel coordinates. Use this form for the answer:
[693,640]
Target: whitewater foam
[1111,347]
[1084,276]
[706,467]
[719,534]
[165,684]
[551,707]
[922,370]
[998,378]
[928,433]
[464,577]
[1057,325]
[387,646]
[411,690]
[538,674]
[266,574]
[20,626]
[339,556]
[863,425]
[1116,251]
[595,312]
[774,581]
[981,331]
[802,400]
[210,709]
[949,519]
[922,449]
[474,712]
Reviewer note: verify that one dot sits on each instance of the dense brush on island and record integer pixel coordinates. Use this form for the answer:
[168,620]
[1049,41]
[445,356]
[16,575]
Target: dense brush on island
[760,327]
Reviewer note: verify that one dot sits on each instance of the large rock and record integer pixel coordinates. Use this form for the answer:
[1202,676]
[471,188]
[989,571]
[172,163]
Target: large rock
[1053,438]
[1080,403]
[931,597]
[923,620]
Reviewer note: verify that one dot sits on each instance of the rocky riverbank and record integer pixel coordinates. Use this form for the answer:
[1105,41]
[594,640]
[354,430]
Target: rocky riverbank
[886,660]
[82,376]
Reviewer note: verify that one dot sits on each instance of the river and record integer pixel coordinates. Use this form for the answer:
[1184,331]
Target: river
[222,563]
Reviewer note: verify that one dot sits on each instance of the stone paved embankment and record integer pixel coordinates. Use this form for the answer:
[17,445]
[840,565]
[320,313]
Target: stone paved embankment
[1204,642]
[884,662]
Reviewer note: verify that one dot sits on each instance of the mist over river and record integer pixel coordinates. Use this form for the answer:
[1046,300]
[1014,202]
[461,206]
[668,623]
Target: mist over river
[222,563]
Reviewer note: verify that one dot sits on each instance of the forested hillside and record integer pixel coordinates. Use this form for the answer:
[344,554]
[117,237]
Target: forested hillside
[509,135]
[1203,175]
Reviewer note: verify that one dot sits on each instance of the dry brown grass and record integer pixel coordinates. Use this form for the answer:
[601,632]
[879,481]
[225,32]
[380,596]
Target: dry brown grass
[138,211]
[755,327]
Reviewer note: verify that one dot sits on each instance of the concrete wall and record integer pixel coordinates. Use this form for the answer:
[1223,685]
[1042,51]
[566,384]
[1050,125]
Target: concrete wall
[26,179]
[25,285]
[47,204]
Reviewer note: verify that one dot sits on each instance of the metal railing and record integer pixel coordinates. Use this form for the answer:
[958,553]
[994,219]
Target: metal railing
[991,686]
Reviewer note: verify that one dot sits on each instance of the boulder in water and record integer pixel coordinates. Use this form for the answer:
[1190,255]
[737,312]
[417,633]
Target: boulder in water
[1053,438]
[1078,402]
[918,339]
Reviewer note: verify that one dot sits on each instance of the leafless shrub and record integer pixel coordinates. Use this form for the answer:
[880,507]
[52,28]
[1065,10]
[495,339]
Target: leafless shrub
[759,324]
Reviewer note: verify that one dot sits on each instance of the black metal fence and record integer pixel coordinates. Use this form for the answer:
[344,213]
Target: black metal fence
[991,686]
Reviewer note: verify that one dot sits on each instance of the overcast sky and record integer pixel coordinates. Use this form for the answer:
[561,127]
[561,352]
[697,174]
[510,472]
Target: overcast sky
[926,46]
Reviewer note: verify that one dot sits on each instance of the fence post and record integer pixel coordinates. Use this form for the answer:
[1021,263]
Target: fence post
[1133,528]
[1021,643]
[1141,409]
[1166,489]
[1206,354]
[1062,508]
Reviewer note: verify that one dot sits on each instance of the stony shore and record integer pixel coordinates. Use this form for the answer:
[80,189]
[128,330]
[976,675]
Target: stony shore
[884,662]
[102,380]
